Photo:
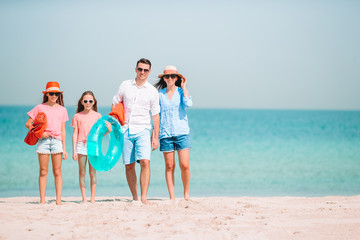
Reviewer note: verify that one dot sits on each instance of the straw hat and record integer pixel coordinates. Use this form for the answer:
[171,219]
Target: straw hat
[170,70]
[52,87]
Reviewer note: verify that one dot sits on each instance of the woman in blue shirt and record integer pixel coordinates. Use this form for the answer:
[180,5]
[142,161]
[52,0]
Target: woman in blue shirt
[174,133]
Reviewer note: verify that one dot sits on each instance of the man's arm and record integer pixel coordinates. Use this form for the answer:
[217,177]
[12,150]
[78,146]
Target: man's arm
[155,132]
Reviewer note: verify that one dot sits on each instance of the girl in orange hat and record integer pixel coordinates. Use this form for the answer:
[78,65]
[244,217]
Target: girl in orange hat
[85,117]
[53,141]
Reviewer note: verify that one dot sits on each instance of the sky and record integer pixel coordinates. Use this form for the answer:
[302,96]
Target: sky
[235,54]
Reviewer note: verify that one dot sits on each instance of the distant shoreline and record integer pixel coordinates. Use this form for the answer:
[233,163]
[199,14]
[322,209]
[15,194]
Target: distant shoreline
[215,108]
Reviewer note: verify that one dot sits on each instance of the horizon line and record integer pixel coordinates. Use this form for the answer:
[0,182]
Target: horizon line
[219,108]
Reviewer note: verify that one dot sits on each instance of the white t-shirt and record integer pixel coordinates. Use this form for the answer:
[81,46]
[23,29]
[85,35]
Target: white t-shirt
[139,104]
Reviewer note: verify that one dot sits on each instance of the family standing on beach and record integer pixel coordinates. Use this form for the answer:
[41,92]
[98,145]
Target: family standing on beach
[151,114]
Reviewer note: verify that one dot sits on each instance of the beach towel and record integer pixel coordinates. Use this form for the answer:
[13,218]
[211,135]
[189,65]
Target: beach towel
[118,113]
[37,130]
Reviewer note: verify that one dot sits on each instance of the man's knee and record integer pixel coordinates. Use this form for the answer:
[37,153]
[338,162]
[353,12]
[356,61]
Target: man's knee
[130,167]
[145,163]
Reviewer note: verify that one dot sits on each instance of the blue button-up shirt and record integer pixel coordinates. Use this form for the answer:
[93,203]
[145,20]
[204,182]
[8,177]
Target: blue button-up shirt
[173,118]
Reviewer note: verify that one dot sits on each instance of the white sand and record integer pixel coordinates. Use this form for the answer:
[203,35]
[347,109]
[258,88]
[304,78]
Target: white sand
[200,218]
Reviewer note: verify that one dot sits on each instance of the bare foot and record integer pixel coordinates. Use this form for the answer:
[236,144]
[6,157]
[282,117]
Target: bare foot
[92,200]
[186,196]
[144,201]
[58,202]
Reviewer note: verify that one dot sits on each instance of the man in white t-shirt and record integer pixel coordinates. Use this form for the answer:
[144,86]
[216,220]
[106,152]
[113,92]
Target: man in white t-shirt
[141,101]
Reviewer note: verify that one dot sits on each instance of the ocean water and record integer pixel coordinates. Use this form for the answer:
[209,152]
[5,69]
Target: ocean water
[234,153]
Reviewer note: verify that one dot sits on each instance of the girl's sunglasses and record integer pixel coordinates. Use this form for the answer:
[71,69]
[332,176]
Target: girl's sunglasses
[54,93]
[86,101]
[173,76]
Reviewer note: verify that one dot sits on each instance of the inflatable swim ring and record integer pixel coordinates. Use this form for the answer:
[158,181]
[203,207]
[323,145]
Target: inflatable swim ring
[94,142]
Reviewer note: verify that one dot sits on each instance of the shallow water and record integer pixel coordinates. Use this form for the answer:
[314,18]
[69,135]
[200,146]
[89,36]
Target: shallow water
[234,153]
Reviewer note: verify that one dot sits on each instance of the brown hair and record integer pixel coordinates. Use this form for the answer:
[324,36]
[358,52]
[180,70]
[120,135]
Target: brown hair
[81,107]
[59,101]
[162,84]
[144,61]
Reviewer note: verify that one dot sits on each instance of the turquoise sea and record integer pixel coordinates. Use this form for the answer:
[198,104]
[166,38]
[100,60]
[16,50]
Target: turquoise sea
[234,153]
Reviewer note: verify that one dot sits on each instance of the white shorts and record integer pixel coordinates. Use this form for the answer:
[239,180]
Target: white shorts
[49,146]
[81,148]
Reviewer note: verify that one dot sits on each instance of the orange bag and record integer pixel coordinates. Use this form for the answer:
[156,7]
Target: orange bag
[118,113]
[36,132]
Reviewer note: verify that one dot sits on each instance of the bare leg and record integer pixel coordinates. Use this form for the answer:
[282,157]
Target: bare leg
[144,179]
[56,163]
[185,170]
[131,179]
[44,166]
[92,173]
[169,172]
[82,172]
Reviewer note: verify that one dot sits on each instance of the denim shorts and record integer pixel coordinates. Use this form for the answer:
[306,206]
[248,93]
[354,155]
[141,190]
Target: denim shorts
[49,146]
[175,143]
[81,148]
[136,146]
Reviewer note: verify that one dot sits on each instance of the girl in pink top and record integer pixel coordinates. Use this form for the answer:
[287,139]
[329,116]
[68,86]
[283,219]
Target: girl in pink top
[85,117]
[53,141]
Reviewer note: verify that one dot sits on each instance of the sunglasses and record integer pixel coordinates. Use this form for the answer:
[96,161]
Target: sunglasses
[173,76]
[54,93]
[86,101]
[141,69]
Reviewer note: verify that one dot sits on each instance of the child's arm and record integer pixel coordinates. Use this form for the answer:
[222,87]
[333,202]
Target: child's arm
[74,139]
[29,123]
[109,127]
[63,137]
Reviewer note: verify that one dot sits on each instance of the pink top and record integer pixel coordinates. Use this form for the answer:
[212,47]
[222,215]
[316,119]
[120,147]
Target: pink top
[83,122]
[55,117]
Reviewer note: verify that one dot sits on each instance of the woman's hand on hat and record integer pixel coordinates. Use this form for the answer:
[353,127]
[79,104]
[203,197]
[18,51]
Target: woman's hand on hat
[183,82]
[183,86]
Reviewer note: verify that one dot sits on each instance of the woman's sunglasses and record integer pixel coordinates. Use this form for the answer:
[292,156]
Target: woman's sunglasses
[86,101]
[173,76]
[54,93]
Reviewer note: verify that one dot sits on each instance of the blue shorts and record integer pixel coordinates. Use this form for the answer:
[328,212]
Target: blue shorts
[136,146]
[175,143]
[49,146]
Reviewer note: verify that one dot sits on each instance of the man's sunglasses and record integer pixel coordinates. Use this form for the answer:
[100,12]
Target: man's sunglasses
[141,69]
[167,76]
[54,93]
[86,101]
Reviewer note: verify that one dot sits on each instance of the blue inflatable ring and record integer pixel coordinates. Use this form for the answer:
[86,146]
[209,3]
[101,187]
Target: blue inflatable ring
[94,142]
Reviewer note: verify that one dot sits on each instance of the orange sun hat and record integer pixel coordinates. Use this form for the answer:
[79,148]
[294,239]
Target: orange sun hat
[37,130]
[52,87]
[170,70]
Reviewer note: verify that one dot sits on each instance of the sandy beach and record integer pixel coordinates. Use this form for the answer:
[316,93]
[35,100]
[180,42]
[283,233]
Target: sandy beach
[200,218]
